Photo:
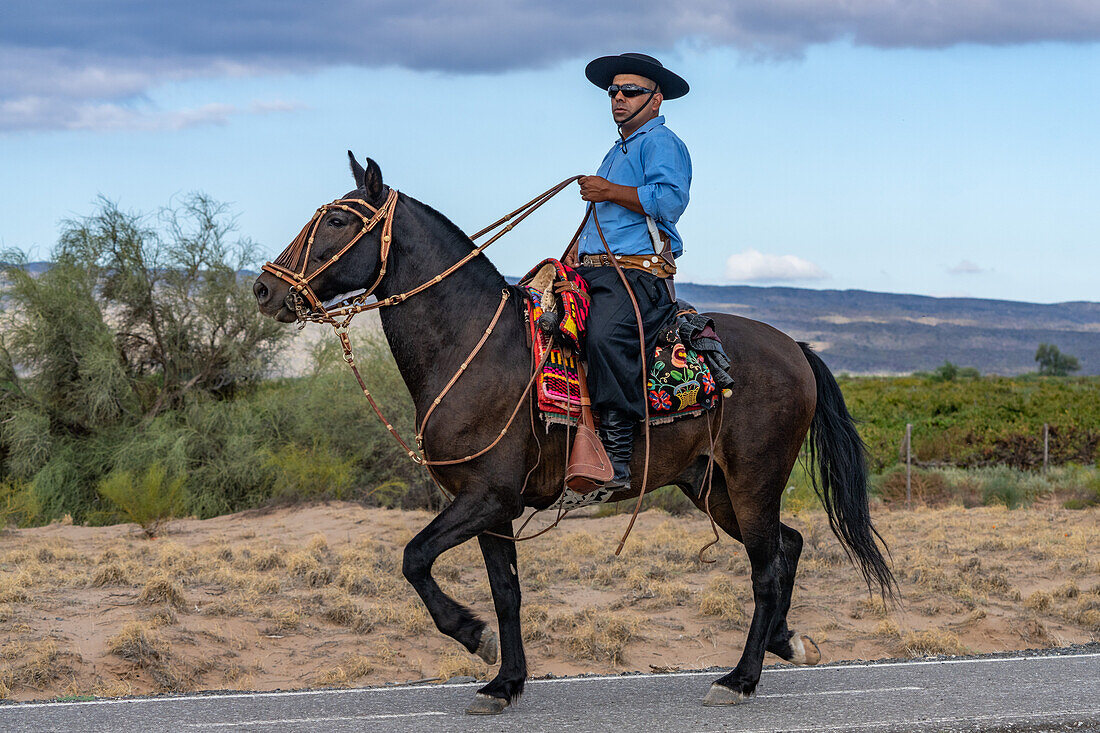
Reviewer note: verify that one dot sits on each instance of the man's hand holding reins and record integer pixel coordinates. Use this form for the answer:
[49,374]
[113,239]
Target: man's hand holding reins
[598,190]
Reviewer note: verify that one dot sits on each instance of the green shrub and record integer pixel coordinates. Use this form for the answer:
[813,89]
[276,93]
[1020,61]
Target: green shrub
[309,472]
[1004,486]
[149,499]
[945,372]
[18,505]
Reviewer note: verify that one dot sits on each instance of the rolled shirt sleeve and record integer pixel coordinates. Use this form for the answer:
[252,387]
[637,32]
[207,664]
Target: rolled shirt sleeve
[666,176]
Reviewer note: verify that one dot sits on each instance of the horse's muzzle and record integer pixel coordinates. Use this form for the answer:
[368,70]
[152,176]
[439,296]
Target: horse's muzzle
[273,299]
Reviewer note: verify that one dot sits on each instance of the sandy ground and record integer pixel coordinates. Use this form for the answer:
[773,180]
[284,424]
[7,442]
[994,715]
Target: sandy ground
[313,596]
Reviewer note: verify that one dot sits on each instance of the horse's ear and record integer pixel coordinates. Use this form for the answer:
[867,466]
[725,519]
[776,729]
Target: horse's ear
[372,179]
[356,170]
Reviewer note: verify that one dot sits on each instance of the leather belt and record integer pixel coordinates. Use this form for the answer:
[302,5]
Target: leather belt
[647,263]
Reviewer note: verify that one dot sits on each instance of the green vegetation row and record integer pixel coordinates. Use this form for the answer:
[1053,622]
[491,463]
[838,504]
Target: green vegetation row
[132,387]
[1071,486]
[980,421]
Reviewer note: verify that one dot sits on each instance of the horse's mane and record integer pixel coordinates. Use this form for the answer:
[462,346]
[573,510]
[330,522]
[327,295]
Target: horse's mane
[450,231]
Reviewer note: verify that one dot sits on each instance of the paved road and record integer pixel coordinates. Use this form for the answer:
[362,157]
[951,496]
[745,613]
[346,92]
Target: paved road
[1047,692]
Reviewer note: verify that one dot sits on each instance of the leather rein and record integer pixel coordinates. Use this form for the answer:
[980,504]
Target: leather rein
[291,265]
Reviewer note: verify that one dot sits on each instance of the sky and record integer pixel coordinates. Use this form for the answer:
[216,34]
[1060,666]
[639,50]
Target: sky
[939,147]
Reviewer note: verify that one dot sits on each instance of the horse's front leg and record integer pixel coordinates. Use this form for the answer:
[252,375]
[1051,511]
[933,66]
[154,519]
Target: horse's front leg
[469,515]
[500,562]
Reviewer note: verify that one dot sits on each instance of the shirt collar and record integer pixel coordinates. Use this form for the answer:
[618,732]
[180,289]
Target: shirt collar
[658,120]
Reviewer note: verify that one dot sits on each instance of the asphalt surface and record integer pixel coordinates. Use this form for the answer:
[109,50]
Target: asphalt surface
[1048,691]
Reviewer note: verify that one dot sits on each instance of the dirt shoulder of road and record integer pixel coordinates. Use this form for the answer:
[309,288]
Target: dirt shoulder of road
[313,596]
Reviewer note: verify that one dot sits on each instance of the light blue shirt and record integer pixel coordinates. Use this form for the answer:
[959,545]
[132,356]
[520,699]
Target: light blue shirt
[657,163]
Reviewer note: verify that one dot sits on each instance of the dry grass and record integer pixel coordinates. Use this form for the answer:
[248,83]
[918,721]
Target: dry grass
[145,650]
[598,636]
[1039,601]
[13,589]
[720,600]
[353,668]
[315,596]
[929,642]
[336,606]
[870,607]
[458,663]
[111,572]
[269,560]
[306,567]
[33,665]
[161,589]
[284,619]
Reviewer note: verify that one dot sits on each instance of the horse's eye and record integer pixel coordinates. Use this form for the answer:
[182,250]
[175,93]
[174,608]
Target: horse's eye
[336,222]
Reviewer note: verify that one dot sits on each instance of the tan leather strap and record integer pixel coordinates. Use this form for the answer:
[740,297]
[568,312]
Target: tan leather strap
[461,369]
[645,375]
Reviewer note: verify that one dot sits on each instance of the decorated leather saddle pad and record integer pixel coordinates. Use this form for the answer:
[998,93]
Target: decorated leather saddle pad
[679,385]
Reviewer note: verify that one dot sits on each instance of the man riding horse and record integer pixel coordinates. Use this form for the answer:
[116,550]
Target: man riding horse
[636,198]
[418,264]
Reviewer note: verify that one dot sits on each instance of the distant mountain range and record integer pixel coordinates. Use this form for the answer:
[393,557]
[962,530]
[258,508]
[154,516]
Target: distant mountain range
[861,332]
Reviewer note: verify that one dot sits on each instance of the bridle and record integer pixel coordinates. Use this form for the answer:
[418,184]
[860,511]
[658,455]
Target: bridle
[290,266]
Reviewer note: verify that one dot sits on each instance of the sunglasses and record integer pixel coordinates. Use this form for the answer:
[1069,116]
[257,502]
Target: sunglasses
[629,90]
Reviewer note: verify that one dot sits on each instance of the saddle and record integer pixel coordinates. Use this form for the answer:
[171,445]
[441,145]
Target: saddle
[680,382]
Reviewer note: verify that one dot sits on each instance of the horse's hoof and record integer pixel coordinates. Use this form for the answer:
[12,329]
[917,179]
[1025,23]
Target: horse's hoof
[805,651]
[486,705]
[488,648]
[719,695]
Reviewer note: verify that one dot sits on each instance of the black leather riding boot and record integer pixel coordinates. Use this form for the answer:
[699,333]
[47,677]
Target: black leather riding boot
[617,435]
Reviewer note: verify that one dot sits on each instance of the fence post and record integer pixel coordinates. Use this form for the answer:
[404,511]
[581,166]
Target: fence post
[1046,446]
[908,465]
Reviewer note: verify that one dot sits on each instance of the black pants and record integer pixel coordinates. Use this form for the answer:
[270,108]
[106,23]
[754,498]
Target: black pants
[611,345]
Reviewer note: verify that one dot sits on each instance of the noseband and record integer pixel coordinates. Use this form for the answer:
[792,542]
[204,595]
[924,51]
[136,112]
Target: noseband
[290,266]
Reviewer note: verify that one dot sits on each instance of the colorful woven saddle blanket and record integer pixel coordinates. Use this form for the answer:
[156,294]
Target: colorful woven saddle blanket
[680,383]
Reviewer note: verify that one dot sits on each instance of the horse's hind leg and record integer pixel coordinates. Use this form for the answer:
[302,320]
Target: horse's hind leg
[500,562]
[761,535]
[468,516]
[795,648]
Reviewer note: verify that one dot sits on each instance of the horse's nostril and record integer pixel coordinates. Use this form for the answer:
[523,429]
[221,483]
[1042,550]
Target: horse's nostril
[260,291]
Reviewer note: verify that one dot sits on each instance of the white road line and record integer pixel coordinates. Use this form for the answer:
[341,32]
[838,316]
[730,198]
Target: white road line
[558,680]
[889,665]
[1023,717]
[313,720]
[838,692]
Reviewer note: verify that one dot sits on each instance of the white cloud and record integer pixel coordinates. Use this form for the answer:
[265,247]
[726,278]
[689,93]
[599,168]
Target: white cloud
[41,112]
[116,51]
[752,265]
[966,267]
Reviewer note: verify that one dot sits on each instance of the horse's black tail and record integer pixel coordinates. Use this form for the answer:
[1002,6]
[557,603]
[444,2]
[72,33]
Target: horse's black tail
[838,470]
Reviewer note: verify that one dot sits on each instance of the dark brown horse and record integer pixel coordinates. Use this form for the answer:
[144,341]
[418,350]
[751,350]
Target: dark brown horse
[783,390]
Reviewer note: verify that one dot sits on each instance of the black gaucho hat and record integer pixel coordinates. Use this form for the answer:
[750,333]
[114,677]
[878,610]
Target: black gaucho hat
[601,71]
